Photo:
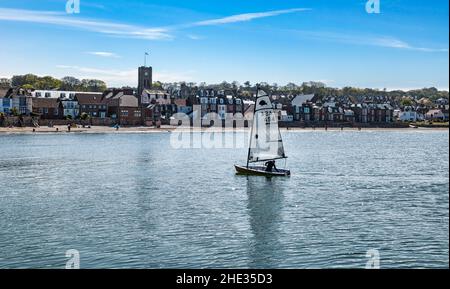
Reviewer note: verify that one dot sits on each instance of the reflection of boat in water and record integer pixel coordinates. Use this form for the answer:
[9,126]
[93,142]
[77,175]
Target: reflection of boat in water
[266,144]
[265,205]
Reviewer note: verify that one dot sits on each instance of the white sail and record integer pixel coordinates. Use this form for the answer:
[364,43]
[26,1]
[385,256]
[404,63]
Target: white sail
[265,140]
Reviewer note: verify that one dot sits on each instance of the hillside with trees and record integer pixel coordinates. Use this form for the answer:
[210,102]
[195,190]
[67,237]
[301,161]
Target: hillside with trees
[68,83]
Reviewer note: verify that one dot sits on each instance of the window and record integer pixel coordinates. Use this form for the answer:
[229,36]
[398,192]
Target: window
[56,112]
[38,94]
[84,106]
[22,101]
[94,106]
[45,110]
[137,113]
[124,112]
[48,94]
[62,95]
[6,102]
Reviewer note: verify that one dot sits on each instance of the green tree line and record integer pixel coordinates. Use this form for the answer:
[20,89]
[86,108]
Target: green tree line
[68,83]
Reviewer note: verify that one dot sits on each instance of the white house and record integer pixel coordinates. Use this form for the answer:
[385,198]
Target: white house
[299,100]
[70,107]
[53,93]
[410,116]
[155,96]
[435,114]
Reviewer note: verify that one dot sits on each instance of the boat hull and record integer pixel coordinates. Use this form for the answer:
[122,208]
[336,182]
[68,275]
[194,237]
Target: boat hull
[261,171]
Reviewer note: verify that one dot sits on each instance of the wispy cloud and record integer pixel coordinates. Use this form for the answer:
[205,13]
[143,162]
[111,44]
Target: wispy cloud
[194,37]
[369,40]
[105,27]
[103,54]
[399,44]
[247,17]
[127,30]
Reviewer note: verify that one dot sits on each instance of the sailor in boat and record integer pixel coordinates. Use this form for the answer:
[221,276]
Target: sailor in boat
[270,166]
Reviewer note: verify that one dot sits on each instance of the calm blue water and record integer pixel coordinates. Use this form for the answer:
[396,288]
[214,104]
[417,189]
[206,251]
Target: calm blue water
[131,201]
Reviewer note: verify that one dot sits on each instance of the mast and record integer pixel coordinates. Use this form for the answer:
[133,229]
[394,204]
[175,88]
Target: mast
[251,131]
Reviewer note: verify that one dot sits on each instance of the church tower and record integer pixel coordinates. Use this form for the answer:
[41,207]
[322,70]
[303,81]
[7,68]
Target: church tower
[145,79]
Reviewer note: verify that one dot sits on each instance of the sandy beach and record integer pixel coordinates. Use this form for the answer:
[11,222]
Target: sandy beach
[163,129]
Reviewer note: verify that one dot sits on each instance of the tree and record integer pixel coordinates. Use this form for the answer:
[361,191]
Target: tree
[84,116]
[93,85]
[15,111]
[27,86]
[5,83]
[70,83]
[406,101]
[47,82]
[157,85]
[19,80]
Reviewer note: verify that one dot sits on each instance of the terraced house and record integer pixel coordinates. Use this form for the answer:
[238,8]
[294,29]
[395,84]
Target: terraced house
[16,100]
[93,104]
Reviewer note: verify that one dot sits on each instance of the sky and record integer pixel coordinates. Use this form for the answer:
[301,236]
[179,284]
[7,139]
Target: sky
[338,42]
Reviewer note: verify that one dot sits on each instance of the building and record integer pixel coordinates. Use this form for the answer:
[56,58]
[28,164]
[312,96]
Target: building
[93,104]
[17,101]
[70,106]
[144,78]
[410,114]
[5,105]
[300,110]
[123,106]
[47,108]
[53,94]
[183,106]
[149,96]
[436,115]
[361,112]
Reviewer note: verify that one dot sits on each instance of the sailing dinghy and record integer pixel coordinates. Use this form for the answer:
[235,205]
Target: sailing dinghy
[266,144]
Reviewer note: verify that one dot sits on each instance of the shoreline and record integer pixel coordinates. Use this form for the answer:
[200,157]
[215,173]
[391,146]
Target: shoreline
[166,129]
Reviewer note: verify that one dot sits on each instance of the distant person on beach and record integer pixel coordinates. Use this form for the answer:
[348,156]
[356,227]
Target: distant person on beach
[68,127]
[117,127]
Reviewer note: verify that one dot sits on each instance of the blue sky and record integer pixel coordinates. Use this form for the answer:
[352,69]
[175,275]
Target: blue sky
[337,42]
